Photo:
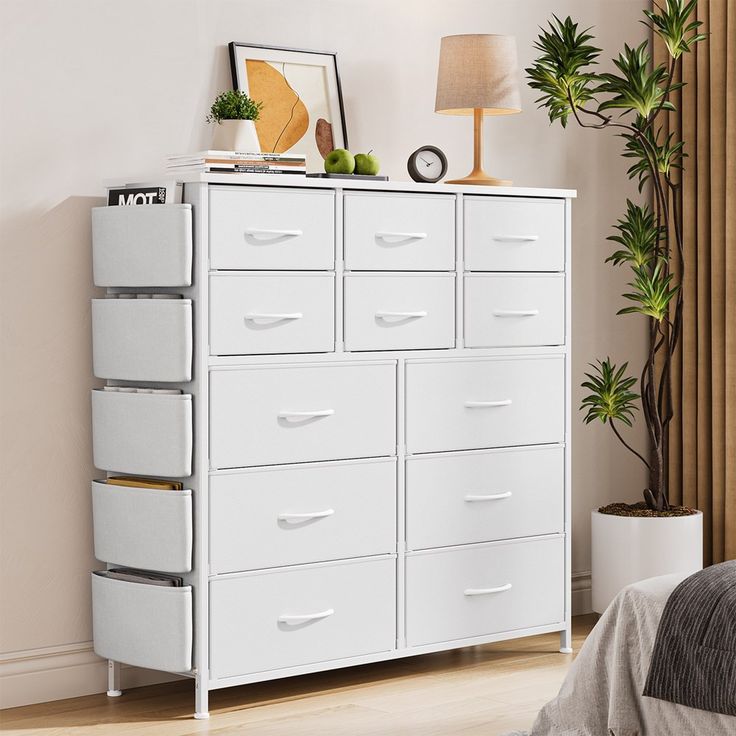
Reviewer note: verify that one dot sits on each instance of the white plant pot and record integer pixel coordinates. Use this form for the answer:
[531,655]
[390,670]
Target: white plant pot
[626,549]
[236,135]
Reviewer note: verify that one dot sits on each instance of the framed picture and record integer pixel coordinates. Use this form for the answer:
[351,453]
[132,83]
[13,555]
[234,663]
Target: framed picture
[302,101]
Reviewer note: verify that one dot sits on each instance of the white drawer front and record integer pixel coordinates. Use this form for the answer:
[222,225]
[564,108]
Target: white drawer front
[299,514]
[505,234]
[291,229]
[399,232]
[395,312]
[484,496]
[295,616]
[260,314]
[503,311]
[298,413]
[479,403]
[476,591]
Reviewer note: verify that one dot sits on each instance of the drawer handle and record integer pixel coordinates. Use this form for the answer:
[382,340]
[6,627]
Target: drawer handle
[272,317]
[399,238]
[492,497]
[487,404]
[306,516]
[306,414]
[273,234]
[515,312]
[515,238]
[487,591]
[305,617]
[400,315]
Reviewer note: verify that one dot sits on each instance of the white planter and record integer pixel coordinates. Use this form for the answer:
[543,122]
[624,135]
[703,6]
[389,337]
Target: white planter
[236,135]
[626,549]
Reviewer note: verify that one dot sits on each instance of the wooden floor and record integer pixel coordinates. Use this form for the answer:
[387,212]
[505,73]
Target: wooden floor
[479,691]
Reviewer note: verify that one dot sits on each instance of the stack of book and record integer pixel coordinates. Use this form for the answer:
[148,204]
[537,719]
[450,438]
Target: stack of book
[236,162]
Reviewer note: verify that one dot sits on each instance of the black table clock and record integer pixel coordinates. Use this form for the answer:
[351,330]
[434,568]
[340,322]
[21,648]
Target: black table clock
[427,164]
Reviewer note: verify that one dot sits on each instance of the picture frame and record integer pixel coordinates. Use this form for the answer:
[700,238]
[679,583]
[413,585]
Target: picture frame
[300,89]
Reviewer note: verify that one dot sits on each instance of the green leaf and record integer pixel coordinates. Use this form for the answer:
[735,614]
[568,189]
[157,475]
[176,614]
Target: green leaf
[637,88]
[652,292]
[610,397]
[668,154]
[670,23]
[234,105]
[559,73]
[638,234]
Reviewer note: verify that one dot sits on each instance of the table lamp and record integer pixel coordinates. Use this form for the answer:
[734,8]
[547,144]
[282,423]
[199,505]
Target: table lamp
[478,76]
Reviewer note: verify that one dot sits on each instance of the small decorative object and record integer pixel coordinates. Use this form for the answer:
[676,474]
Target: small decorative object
[427,164]
[366,164]
[235,113]
[478,76]
[302,100]
[339,161]
[652,537]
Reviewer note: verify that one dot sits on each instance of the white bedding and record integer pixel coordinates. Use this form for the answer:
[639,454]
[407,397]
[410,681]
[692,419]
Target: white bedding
[601,694]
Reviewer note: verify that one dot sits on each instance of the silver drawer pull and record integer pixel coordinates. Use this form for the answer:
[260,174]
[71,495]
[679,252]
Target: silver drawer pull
[272,316]
[304,618]
[487,591]
[306,414]
[306,516]
[515,312]
[273,234]
[487,404]
[398,238]
[492,497]
[400,315]
[515,238]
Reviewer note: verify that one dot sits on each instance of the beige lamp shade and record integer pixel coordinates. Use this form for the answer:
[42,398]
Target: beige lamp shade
[478,71]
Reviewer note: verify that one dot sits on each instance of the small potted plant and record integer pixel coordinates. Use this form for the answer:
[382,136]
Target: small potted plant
[234,115]
[653,537]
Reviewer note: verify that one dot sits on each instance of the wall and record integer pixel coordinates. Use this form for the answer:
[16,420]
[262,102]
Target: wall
[94,89]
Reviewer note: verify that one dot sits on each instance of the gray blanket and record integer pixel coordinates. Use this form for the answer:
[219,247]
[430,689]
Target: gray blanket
[602,692]
[694,658]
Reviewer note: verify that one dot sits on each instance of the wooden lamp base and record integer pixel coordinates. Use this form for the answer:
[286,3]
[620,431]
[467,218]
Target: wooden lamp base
[481,178]
[477,176]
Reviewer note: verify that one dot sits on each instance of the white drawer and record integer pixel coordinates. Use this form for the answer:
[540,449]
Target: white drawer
[295,616]
[399,312]
[484,496]
[260,314]
[142,339]
[291,229]
[480,403]
[475,591]
[399,232]
[302,513]
[503,311]
[505,234]
[267,416]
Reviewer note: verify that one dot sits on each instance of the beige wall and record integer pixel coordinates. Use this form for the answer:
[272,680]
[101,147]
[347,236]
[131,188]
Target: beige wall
[94,89]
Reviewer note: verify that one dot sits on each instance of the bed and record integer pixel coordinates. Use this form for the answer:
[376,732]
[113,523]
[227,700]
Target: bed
[602,692]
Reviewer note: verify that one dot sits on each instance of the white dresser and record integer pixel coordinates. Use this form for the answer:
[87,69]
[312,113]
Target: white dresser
[372,424]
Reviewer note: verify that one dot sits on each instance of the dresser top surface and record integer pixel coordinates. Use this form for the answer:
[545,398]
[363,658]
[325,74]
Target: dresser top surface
[285,180]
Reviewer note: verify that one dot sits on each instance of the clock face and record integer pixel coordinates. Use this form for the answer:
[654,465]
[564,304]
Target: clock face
[427,164]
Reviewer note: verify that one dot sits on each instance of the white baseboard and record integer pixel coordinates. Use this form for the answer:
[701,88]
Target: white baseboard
[581,594]
[67,671]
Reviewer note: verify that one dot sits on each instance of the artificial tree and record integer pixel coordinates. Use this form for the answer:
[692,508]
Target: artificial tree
[649,238]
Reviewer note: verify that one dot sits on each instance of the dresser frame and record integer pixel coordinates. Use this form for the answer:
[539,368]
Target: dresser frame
[196,193]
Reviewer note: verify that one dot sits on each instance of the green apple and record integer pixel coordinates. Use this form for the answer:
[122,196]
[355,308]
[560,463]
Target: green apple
[339,161]
[366,164]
